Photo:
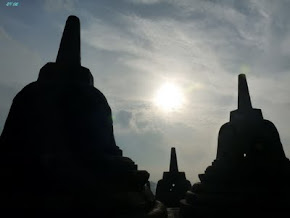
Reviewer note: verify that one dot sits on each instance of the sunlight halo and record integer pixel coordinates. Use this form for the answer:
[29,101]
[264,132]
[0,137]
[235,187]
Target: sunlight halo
[169,97]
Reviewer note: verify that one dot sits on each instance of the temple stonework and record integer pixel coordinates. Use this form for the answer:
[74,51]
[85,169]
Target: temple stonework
[57,149]
[250,176]
[58,154]
[173,186]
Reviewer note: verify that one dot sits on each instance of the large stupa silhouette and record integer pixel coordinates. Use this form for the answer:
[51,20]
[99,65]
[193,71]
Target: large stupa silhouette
[57,149]
[250,176]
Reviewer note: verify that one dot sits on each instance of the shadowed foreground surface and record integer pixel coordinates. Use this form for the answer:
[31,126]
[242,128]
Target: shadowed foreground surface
[173,212]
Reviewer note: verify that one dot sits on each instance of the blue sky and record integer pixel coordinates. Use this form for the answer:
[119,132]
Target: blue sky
[133,47]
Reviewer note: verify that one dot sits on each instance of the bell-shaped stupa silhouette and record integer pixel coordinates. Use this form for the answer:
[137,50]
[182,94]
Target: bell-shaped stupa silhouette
[173,186]
[57,149]
[250,176]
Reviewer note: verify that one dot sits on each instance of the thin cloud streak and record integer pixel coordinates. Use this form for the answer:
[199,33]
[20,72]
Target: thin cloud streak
[200,45]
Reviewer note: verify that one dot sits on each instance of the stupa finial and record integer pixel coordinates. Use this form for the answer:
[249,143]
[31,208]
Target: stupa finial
[69,49]
[244,99]
[173,161]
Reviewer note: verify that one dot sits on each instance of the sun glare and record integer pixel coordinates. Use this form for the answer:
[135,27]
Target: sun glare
[169,97]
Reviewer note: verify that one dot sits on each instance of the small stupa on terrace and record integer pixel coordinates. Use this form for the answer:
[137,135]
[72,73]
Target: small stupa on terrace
[173,186]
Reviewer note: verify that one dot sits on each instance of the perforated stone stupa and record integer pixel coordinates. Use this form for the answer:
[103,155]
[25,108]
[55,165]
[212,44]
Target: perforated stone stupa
[173,186]
[250,176]
[57,149]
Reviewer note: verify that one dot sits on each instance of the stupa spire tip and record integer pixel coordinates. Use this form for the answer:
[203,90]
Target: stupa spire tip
[244,99]
[69,49]
[173,161]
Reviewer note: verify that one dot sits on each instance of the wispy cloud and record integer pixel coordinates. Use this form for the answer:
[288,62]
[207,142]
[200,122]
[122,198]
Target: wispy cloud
[16,59]
[145,1]
[133,46]
[59,5]
[203,50]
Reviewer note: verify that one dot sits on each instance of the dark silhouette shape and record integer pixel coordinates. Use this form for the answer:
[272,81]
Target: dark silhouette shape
[173,186]
[244,99]
[250,176]
[57,149]
[70,46]
[173,168]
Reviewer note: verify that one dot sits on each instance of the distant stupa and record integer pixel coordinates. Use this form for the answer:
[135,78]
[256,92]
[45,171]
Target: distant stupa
[57,149]
[250,176]
[173,186]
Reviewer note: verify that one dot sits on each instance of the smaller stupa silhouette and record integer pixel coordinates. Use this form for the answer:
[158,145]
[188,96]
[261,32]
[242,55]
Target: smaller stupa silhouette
[57,149]
[173,186]
[250,176]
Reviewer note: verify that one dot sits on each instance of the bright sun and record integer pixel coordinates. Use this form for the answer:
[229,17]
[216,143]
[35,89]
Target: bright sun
[169,97]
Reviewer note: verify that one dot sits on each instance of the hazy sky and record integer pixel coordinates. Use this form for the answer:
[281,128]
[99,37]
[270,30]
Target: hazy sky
[133,47]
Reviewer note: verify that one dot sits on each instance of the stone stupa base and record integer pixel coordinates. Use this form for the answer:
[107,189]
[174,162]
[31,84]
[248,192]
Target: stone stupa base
[239,190]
